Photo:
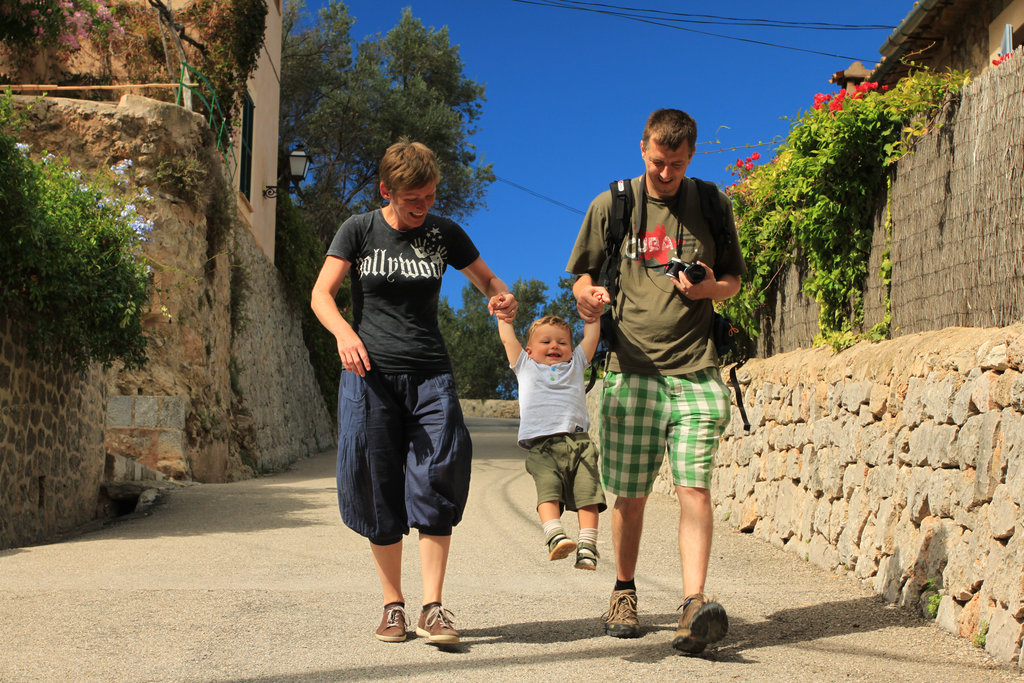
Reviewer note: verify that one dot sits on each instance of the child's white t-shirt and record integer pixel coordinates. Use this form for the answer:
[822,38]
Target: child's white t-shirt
[552,398]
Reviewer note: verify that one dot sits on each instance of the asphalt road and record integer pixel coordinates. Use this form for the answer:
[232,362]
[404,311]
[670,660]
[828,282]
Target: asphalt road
[259,581]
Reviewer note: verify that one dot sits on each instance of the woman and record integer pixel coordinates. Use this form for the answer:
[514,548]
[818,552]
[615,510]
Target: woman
[404,452]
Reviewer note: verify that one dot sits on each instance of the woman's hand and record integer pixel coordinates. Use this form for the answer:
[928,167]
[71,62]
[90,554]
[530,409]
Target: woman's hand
[352,353]
[503,306]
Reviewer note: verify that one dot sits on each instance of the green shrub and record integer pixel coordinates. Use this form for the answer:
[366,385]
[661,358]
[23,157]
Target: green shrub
[299,255]
[933,595]
[981,635]
[812,203]
[72,271]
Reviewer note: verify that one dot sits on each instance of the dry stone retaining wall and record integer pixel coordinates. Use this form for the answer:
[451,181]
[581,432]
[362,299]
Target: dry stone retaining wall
[51,444]
[228,374]
[901,462]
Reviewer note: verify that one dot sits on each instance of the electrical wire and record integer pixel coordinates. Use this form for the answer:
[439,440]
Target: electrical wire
[539,195]
[573,209]
[718,19]
[622,15]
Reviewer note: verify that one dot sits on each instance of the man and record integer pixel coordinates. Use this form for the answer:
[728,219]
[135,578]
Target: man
[663,391]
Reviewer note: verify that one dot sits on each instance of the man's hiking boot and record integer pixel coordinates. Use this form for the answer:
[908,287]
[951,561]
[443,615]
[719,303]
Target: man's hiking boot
[437,625]
[392,626]
[560,546]
[703,622]
[620,620]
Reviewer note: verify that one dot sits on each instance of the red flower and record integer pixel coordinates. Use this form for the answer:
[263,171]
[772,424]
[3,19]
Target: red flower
[749,166]
[755,156]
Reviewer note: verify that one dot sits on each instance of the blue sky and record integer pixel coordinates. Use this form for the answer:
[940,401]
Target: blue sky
[568,93]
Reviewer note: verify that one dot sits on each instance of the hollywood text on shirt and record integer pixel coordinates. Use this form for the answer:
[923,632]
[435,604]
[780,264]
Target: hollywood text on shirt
[429,262]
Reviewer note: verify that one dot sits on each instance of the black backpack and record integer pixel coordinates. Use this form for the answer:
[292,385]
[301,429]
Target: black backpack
[722,331]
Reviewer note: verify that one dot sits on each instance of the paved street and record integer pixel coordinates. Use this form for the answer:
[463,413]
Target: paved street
[259,581]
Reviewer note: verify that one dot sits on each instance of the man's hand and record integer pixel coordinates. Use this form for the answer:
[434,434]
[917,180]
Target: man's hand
[590,303]
[705,289]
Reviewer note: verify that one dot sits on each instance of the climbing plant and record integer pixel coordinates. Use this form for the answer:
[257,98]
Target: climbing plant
[813,201]
[73,274]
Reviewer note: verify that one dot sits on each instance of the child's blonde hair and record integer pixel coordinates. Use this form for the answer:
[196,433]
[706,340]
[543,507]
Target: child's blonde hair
[553,320]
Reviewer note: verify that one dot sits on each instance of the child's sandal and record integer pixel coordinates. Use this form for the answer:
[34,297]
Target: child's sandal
[560,546]
[586,556]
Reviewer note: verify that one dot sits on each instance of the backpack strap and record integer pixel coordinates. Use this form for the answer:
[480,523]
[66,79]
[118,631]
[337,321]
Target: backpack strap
[711,209]
[618,227]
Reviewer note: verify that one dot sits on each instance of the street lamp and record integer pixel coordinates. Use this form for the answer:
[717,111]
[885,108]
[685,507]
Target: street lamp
[298,166]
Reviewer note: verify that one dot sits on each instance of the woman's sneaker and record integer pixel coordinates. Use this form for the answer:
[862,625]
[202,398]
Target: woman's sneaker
[392,626]
[560,546]
[586,556]
[437,625]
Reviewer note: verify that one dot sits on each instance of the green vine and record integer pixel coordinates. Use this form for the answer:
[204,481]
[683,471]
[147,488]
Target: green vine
[812,204]
[233,32]
[72,272]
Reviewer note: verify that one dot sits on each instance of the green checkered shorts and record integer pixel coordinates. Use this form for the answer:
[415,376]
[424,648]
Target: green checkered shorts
[643,417]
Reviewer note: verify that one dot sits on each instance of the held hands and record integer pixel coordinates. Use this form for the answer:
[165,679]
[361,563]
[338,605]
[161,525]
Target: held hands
[503,306]
[353,354]
[590,305]
[702,290]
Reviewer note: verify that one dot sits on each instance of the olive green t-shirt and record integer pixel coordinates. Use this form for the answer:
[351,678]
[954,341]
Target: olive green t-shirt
[660,331]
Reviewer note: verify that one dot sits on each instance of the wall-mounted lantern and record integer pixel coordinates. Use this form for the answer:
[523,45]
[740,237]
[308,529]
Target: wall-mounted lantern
[298,166]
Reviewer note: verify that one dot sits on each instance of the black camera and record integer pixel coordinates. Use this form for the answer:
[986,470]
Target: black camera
[694,272]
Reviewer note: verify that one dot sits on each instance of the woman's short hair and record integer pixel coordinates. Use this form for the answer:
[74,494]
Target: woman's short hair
[408,165]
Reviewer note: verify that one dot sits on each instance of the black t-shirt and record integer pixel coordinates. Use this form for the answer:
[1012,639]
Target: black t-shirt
[396,283]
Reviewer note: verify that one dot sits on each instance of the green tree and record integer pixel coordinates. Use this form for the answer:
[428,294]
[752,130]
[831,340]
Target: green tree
[478,359]
[299,254]
[472,340]
[346,105]
[564,306]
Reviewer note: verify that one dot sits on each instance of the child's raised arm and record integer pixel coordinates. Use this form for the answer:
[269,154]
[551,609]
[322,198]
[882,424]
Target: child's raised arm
[592,331]
[591,335]
[508,339]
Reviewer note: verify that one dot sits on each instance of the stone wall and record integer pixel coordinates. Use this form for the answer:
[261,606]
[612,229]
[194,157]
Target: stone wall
[150,431]
[222,333]
[51,444]
[225,347]
[901,462]
[280,415]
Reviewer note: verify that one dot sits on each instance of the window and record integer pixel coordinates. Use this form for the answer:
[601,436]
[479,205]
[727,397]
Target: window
[245,151]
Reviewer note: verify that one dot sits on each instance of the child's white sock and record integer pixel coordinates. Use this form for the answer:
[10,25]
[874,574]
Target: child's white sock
[588,536]
[553,527]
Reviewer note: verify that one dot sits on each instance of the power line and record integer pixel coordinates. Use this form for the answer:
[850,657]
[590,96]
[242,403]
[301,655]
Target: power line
[573,209]
[622,15]
[718,19]
[539,195]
